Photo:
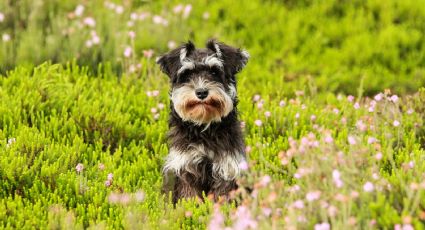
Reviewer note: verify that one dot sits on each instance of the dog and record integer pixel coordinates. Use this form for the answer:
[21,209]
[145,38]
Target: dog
[206,144]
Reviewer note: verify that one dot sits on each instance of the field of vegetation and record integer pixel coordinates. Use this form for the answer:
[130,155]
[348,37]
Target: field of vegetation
[332,105]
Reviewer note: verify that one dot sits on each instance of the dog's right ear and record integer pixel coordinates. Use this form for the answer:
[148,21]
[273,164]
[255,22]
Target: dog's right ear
[171,62]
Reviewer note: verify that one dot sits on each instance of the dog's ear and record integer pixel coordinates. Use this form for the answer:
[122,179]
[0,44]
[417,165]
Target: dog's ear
[172,61]
[234,59]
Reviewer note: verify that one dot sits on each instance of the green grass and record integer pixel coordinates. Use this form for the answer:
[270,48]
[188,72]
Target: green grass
[319,156]
[55,117]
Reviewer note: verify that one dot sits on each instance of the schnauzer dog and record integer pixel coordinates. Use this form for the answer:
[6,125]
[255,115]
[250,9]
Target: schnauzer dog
[205,137]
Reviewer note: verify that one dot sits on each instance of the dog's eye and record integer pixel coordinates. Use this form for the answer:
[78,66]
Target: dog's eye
[182,78]
[215,72]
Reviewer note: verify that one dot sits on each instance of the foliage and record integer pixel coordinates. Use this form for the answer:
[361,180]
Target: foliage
[82,151]
[334,45]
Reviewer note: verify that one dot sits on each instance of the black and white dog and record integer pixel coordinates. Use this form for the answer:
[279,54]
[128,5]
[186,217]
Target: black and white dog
[205,137]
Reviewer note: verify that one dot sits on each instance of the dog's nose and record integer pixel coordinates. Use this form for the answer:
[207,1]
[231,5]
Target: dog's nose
[201,93]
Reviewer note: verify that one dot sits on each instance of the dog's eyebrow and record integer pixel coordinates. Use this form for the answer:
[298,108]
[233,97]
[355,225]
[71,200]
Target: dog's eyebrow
[213,61]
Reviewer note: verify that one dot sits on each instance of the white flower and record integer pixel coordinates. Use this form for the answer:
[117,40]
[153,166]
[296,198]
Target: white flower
[368,187]
[79,10]
[128,51]
[1,17]
[89,21]
[6,37]
[396,123]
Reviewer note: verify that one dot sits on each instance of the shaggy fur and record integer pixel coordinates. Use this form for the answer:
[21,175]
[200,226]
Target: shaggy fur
[205,138]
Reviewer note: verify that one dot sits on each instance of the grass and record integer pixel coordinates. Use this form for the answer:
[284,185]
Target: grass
[82,142]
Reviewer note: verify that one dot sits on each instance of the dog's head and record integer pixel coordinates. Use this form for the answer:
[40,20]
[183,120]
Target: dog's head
[203,80]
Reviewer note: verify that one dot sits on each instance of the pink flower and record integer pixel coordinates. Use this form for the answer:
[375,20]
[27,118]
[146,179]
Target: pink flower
[79,167]
[108,183]
[312,196]
[139,196]
[336,176]
[155,93]
[177,9]
[313,117]
[396,123]
[89,43]
[332,211]
[260,105]
[267,114]
[410,111]
[298,204]
[328,139]
[394,98]
[265,180]
[154,110]
[248,149]
[95,40]
[297,115]
[242,124]
[282,103]
[1,17]
[160,106]
[128,51]
[159,20]
[134,16]
[336,111]
[217,220]
[322,226]
[124,199]
[368,187]
[187,10]
[143,16]
[101,166]
[119,9]
[147,53]
[244,219]
[378,156]
[266,211]
[350,98]
[110,176]
[361,126]
[113,198]
[256,97]
[407,227]
[351,140]
[243,166]
[356,105]
[258,123]
[131,34]
[378,97]
[89,21]
[371,140]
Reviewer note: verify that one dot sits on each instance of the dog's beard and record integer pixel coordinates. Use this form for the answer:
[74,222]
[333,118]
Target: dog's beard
[217,105]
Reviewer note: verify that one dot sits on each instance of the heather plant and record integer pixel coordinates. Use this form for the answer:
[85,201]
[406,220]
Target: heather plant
[331,105]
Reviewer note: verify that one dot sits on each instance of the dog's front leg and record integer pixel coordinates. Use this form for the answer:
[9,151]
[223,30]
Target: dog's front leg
[186,186]
[222,188]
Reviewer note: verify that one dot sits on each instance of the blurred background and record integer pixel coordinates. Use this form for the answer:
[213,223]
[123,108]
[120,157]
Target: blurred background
[354,47]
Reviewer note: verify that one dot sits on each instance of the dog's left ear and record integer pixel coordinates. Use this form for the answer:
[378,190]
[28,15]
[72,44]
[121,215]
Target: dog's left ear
[234,59]
[172,61]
